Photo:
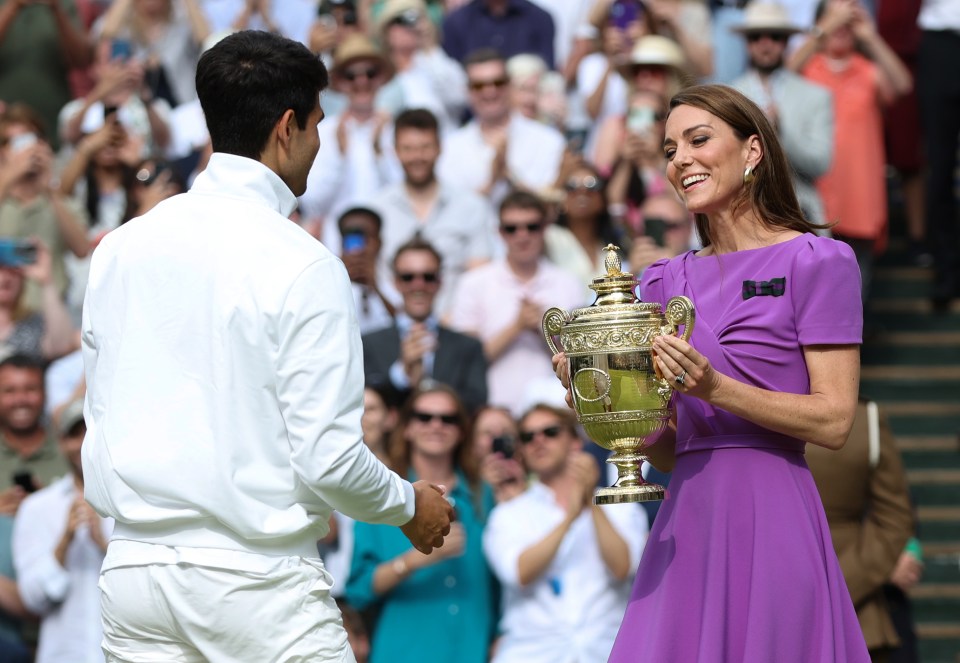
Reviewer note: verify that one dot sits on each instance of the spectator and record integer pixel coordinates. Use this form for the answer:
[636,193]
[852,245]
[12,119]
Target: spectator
[357,635]
[39,43]
[729,51]
[417,348]
[59,544]
[458,223]
[526,71]
[438,607]
[570,30]
[29,205]
[502,304]
[867,501]
[356,158]
[565,563]
[498,149]
[155,181]
[361,246]
[509,26]
[800,110]
[667,232]
[166,38]
[426,76]
[29,458]
[854,189]
[496,448]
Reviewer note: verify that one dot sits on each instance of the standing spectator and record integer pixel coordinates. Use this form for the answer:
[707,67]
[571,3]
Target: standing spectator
[59,543]
[938,86]
[29,205]
[801,111]
[667,232]
[39,43]
[437,607]
[564,562]
[356,157]
[417,348]
[509,26]
[499,149]
[495,445]
[729,51]
[360,248]
[502,304]
[854,189]
[457,222]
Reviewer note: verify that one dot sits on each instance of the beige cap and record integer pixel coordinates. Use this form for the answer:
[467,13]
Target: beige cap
[393,9]
[655,50]
[765,16]
[356,47]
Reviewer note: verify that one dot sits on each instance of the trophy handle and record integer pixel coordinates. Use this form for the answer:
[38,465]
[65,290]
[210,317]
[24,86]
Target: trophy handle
[553,321]
[680,312]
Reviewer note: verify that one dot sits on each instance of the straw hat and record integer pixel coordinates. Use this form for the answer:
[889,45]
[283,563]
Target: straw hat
[763,16]
[356,47]
[394,9]
[655,50]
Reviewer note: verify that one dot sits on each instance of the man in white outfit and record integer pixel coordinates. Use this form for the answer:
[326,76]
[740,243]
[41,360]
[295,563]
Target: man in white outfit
[225,388]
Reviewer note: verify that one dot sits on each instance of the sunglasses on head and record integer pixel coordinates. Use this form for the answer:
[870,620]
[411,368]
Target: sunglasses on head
[772,36]
[369,73]
[426,277]
[512,228]
[588,183]
[427,417]
[526,436]
[498,83]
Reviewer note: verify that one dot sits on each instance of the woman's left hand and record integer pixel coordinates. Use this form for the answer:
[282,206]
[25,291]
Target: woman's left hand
[688,371]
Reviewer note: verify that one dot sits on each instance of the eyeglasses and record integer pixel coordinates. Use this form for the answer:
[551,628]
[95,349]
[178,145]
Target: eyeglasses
[426,277]
[588,183]
[778,37]
[427,417]
[513,228]
[526,436]
[369,73]
[476,86]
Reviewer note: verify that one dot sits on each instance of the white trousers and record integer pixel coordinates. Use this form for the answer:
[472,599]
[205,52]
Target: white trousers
[189,605]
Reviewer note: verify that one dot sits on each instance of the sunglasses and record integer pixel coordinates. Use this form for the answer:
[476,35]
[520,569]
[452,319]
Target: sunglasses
[588,183]
[427,417]
[369,73]
[513,228]
[498,83]
[772,36]
[426,277]
[526,436]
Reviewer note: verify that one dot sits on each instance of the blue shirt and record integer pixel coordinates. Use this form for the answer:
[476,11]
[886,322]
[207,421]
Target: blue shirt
[524,28]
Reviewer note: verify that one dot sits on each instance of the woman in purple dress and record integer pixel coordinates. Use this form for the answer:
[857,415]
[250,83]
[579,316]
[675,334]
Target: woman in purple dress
[739,566]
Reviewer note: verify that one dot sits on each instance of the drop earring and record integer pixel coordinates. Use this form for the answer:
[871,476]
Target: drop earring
[748,175]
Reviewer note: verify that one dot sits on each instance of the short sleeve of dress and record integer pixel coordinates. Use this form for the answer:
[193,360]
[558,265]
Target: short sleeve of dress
[651,283]
[826,293]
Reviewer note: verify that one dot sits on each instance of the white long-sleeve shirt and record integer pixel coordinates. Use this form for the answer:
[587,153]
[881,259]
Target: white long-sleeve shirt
[66,598]
[224,376]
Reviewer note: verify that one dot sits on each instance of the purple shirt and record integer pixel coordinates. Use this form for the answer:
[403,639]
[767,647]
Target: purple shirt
[524,28]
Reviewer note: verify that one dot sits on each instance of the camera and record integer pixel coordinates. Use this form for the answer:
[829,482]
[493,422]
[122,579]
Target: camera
[504,444]
[17,252]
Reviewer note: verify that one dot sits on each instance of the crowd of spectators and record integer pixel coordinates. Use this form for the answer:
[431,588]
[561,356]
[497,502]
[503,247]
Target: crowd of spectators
[476,156]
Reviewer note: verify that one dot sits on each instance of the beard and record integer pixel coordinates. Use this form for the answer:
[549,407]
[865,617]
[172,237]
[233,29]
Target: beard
[767,68]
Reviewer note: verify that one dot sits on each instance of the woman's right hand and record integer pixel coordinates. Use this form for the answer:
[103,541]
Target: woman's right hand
[562,371]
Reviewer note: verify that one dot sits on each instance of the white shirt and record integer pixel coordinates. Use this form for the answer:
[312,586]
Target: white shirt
[66,599]
[224,376]
[435,82]
[572,612]
[534,151]
[570,22]
[615,97]
[940,15]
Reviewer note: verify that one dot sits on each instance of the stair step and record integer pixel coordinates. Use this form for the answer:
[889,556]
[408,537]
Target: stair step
[931,443]
[925,425]
[919,356]
[893,321]
[886,392]
[934,494]
[911,374]
[926,460]
[940,568]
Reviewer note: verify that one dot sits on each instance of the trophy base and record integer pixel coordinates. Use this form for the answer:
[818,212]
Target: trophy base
[645,492]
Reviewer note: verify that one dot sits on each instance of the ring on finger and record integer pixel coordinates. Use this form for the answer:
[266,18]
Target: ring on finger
[680,378]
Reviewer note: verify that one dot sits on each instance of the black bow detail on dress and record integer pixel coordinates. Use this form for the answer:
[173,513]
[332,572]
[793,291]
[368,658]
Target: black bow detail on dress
[771,288]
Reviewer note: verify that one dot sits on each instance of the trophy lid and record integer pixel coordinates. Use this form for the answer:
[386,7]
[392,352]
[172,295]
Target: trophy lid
[617,287]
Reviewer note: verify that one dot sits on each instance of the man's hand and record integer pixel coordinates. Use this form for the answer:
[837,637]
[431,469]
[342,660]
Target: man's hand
[361,268]
[907,572]
[431,519]
[412,349]
[583,469]
[644,252]
[530,315]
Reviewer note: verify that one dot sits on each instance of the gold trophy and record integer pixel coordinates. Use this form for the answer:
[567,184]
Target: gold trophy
[621,401]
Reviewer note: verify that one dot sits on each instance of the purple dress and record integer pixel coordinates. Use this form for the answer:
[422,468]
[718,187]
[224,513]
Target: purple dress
[739,566]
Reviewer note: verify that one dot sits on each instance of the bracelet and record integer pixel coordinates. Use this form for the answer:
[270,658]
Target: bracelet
[399,566]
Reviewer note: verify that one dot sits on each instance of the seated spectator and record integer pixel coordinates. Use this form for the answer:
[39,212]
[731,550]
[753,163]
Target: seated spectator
[667,231]
[457,222]
[565,564]
[426,76]
[502,304]
[438,607]
[495,444]
[361,247]
[356,157]
[164,36]
[29,205]
[59,543]
[499,149]
[510,26]
[417,348]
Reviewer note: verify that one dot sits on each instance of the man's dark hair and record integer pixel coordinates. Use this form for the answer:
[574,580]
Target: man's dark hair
[416,118]
[417,243]
[248,81]
[519,199]
[485,54]
[23,361]
[357,211]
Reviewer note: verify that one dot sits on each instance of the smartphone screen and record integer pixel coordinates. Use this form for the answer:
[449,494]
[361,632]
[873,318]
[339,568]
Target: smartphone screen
[17,252]
[22,142]
[354,242]
[120,49]
[625,12]
[640,120]
[655,229]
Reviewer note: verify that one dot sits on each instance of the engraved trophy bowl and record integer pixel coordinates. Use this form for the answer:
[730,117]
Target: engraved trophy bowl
[621,400]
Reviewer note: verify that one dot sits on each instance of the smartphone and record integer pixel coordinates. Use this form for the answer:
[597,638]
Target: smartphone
[354,242]
[655,229]
[120,49]
[17,252]
[640,120]
[504,444]
[25,480]
[576,140]
[625,12]
[23,142]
